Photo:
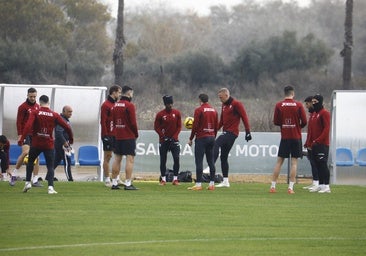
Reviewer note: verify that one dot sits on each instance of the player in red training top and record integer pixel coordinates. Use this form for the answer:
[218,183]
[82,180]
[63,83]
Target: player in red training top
[204,128]
[24,111]
[319,143]
[290,116]
[168,124]
[125,132]
[232,111]
[4,156]
[106,123]
[41,124]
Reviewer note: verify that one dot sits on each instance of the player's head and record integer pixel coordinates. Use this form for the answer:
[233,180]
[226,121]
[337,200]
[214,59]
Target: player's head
[115,92]
[67,111]
[3,140]
[44,100]
[289,91]
[224,94]
[203,98]
[168,101]
[127,91]
[32,95]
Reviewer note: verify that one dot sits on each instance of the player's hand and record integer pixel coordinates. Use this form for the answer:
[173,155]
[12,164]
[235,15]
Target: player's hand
[71,141]
[20,142]
[190,143]
[248,136]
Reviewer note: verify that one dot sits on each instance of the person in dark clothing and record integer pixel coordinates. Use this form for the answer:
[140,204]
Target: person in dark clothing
[204,128]
[40,125]
[63,149]
[4,157]
[168,124]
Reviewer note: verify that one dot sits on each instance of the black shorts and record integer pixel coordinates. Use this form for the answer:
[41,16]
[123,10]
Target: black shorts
[290,146]
[125,147]
[108,143]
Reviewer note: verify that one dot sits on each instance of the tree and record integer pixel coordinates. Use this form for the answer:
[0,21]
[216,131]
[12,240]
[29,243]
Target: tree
[118,48]
[346,53]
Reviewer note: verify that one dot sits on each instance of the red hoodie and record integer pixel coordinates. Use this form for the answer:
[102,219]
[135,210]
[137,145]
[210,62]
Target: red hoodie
[168,123]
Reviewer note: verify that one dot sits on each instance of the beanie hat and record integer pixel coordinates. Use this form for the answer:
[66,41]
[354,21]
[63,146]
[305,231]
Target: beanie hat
[167,99]
[319,98]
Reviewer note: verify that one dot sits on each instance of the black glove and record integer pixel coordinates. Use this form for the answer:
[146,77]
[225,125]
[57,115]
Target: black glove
[106,138]
[248,136]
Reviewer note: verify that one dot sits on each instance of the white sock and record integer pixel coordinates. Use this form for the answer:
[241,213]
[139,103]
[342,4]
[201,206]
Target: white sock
[107,179]
[226,180]
[163,178]
[198,184]
[316,182]
[35,179]
[128,183]
[175,177]
[114,182]
[212,183]
[50,187]
[15,171]
[291,185]
[273,184]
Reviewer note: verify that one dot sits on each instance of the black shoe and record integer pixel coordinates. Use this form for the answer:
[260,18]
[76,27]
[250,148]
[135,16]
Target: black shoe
[115,187]
[55,179]
[71,180]
[130,187]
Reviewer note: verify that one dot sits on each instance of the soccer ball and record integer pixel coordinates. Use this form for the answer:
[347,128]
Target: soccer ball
[188,122]
[25,161]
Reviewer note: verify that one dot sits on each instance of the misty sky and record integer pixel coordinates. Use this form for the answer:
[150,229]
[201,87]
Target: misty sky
[199,6]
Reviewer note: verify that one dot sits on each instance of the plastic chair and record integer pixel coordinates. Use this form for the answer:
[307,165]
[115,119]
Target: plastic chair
[361,157]
[89,155]
[344,157]
[14,153]
[42,159]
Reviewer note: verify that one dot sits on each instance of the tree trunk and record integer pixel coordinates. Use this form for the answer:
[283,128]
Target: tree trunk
[118,47]
[348,44]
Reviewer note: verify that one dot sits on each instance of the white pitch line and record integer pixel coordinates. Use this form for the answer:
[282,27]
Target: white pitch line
[179,241]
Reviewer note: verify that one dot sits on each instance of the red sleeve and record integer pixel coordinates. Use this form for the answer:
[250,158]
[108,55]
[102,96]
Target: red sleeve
[196,123]
[178,125]
[133,121]
[28,126]
[22,112]
[277,116]
[243,115]
[103,119]
[157,124]
[302,116]
[324,136]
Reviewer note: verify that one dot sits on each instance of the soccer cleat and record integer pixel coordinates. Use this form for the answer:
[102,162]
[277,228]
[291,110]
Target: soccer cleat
[206,170]
[272,190]
[175,183]
[162,183]
[12,180]
[131,187]
[211,187]
[114,187]
[223,185]
[315,189]
[196,188]
[290,191]
[324,190]
[27,187]
[51,190]
[37,184]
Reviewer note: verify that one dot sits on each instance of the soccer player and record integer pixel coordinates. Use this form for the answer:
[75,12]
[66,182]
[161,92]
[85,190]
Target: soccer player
[4,157]
[125,132]
[24,111]
[62,144]
[232,111]
[319,143]
[290,116]
[41,124]
[168,124]
[106,123]
[204,128]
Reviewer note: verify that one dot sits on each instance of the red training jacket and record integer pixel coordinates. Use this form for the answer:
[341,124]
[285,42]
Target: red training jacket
[318,129]
[24,111]
[124,120]
[106,119]
[168,123]
[41,124]
[6,149]
[291,117]
[205,122]
[231,113]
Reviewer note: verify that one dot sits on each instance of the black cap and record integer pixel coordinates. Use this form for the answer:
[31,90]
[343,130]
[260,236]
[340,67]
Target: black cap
[167,99]
[319,98]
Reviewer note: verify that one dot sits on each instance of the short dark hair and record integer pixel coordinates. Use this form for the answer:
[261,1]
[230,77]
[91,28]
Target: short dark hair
[114,88]
[126,88]
[3,139]
[203,97]
[308,99]
[288,89]
[32,90]
[44,99]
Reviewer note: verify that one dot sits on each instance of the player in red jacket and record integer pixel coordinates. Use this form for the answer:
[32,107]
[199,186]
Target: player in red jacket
[4,156]
[168,124]
[40,125]
[204,128]
[232,111]
[106,124]
[125,132]
[24,111]
[290,116]
[319,143]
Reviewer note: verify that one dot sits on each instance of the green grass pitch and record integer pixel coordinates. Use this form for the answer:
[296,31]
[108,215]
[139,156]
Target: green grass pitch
[87,218]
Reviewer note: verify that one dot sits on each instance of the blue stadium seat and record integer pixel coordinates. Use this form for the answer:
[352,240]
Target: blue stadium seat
[88,155]
[42,159]
[344,157]
[361,157]
[14,153]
